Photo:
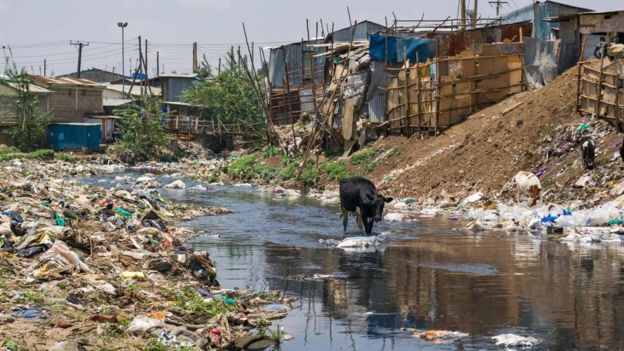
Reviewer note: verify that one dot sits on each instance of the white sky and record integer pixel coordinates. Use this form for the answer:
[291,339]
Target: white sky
[38,29]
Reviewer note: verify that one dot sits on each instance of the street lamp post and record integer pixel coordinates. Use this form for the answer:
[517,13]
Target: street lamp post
[123,25]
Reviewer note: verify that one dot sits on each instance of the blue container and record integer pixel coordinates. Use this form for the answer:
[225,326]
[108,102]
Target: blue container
[68,136]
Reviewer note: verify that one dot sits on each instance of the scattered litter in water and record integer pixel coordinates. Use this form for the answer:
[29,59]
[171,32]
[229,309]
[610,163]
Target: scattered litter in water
[440,336]
[513,340]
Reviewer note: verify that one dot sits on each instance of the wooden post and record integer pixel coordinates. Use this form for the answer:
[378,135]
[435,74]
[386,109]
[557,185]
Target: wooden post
[474,15]
[157,63]
[45,68]
[418,94]
[407,98]
[462,10]
[601,77]
[196,124]
[520,33]
[437,63]
[578,75]
[177,122]
[292,120]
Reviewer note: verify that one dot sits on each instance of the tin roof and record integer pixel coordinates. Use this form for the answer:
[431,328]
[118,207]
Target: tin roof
[34,89]
[64,82]
[136,91]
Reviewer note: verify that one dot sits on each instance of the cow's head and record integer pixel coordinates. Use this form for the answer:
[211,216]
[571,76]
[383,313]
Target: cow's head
[378,206]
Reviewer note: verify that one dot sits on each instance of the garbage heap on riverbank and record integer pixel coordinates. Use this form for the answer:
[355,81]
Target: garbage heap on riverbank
[88,268]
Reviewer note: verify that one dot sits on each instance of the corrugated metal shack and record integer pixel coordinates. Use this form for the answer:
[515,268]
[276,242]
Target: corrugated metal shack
[548,52]
[295,79]
[588,28]
[72,99]
[74,136]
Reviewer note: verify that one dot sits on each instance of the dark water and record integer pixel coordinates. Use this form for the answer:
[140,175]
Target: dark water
[428,276]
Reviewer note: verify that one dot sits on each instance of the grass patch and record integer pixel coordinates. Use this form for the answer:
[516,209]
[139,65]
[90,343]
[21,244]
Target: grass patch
[11,153]
[188,299]
[157,345]
[364,156]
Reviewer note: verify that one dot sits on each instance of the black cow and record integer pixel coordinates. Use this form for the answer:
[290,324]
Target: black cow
[622,151]
[587,149]
[359,195]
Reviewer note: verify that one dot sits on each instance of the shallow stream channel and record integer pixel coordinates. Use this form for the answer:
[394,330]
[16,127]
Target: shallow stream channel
[428,274]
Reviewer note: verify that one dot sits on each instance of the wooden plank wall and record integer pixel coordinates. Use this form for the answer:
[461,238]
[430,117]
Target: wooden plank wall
[467,84]
[601,90]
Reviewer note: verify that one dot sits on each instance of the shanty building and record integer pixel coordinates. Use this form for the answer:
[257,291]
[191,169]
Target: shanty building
[295,79]
[588,28]
[8,113]
[72,99]
[360,31]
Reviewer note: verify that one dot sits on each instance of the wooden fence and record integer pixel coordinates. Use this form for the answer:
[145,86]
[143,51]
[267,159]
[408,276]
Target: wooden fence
[436,95]
[600,89]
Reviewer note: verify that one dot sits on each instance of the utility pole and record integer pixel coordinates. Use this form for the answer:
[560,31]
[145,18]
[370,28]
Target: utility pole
[123,25]
[80,45]
[194,56]
[474,14]
[498,4]
[45,68]
[157,63]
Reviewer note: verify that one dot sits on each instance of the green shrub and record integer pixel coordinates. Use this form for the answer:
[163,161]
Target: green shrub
[264,172]
[271,151]
[335,170]
[310,174]
[289,170]
[242,167]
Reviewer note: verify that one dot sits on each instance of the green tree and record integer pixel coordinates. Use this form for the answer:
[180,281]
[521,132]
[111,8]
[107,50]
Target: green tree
[31,123]
[144,137]
[228,95]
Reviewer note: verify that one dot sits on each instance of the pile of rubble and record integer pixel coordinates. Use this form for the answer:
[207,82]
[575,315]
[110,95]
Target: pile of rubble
[85,268]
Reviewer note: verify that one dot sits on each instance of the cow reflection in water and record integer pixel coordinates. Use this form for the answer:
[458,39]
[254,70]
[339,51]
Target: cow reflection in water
[358,195]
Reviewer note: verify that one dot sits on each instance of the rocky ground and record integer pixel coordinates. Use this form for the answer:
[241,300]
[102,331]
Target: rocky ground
[91,269]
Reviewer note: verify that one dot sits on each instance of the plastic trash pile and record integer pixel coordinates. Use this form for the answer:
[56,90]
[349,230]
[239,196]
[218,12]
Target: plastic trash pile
[107,268]
[590,224]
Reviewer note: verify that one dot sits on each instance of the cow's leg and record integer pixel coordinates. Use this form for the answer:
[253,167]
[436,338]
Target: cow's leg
[358,218]
[345,218]
[518,196]
[368,225]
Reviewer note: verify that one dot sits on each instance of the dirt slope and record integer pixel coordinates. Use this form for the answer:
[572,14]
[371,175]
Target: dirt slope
[483,153]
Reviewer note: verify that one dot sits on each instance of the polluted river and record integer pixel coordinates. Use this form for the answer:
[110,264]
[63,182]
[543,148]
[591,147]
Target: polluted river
[426,274]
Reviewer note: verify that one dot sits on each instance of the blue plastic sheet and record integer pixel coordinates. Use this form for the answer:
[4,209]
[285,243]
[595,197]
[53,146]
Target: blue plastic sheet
[400,48]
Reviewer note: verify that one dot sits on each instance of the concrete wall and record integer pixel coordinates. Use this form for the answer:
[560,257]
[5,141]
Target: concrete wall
[72,105]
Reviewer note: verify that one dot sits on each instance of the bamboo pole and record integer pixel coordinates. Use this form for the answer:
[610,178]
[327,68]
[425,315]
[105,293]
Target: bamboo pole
[601,77]
[406,92]
[578,75]
[418,94]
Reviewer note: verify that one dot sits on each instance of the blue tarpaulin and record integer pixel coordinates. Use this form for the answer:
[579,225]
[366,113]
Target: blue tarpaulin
[399,48]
